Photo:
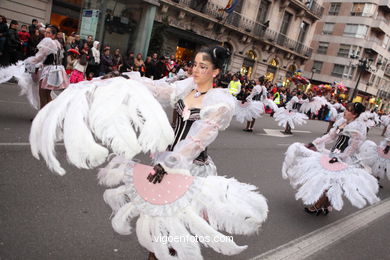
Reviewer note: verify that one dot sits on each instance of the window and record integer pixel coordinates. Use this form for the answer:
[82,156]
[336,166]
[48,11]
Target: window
[317,66]
[285,22]
[338,70]
[302,32]
[328,28]
[334,9]
[349,71]
[385,41]
[344,50]
[363,9]
[323,47]
[263,11]
[356,30]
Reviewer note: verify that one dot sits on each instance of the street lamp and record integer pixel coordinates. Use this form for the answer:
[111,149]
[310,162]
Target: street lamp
[364,65]
[313,70]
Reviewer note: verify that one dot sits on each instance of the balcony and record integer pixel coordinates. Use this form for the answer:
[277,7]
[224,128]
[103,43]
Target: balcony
[238,22]
[310,6]
[380,24]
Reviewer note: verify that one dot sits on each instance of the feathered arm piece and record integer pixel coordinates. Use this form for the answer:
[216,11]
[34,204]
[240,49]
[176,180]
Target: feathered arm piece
[166,93]
[215,115]
[95,117]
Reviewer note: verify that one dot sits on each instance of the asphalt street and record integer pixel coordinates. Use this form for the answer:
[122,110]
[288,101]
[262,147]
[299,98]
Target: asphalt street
[46,216]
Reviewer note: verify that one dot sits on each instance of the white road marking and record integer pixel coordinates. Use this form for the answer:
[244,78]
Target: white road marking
[317,240]
[278,133]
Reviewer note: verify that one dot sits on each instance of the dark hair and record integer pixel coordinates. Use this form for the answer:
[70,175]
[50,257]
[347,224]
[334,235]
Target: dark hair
[53,29]
[13,22]
[262,80]
[216,55]
[356,108]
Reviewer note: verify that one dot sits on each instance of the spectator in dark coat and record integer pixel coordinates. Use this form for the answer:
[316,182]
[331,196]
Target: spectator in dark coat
[14,44]
[160,69]
[33,26]
[106,62]
[149,68]
[3,34]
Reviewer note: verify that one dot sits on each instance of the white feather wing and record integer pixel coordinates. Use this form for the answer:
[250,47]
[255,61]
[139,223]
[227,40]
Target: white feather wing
[118,114]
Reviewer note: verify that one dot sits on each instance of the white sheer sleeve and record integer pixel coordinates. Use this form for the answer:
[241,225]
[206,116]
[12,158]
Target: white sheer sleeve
[166,93]
[357,133]
[45,47]
[320,142]
[216,114]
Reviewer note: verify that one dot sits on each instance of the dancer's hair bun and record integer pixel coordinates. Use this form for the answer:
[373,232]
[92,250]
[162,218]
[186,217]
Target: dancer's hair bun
[217,55]
[358,108]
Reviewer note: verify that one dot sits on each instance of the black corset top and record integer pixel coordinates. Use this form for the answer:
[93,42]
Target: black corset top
[183,124]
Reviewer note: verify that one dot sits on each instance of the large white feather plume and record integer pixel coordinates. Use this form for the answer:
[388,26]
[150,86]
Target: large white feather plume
[94,117]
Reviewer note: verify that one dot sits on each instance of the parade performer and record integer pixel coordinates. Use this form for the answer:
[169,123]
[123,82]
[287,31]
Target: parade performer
[335,112]
[377,157]
[322,176]
[290,116]
[249,107]
[38,75]
[312,105]
[370,119]
[385,121]
[179,196]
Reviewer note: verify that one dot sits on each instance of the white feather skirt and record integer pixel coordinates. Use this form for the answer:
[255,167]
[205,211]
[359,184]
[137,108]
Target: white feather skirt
[248,111]
[283,116]
[211,204]
[373,156]
[306,173]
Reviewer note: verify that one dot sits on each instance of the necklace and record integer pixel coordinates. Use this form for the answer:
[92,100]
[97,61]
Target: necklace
[198,94]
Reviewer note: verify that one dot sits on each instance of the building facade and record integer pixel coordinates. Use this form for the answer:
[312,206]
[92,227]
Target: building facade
[352,44]
[25,11]
[264,37]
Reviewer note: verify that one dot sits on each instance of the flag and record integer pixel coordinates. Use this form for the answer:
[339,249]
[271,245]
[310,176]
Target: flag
[231,5]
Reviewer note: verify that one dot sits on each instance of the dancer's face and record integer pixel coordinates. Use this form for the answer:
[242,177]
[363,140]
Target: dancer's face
[203,70]
[348,115]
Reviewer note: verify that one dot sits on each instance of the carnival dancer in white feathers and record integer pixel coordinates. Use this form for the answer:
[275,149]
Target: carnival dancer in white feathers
[290,116]
[38,75]
[370,118]
[251,106]
[335,113]
[385,121]
[121,115]
[322,177]
[312,104]
[377,157]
